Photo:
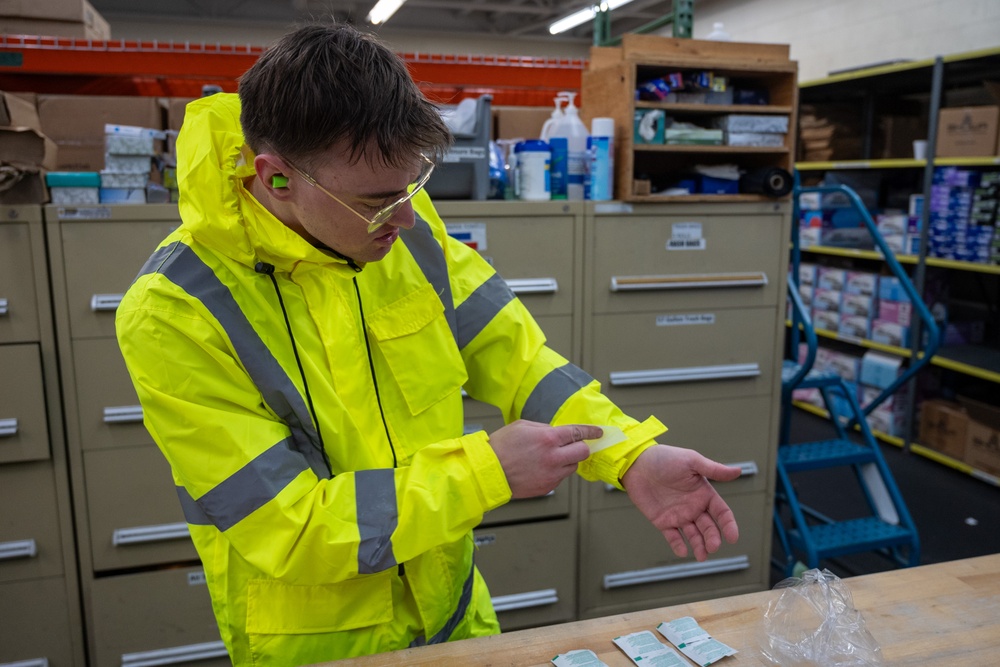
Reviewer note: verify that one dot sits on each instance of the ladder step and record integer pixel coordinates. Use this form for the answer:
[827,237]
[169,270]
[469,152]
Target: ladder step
[823,454]
[853,536]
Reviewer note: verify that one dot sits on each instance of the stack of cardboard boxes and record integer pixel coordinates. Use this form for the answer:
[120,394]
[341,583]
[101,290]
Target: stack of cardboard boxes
[966,430]
[55,18]
[25,152]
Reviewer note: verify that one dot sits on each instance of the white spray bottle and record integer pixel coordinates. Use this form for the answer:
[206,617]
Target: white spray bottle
[572,129]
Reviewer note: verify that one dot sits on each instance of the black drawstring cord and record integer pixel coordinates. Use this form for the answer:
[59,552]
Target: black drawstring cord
[268,270]
[371,365]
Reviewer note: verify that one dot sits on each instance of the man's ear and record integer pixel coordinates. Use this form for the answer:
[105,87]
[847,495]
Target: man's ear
[272,172]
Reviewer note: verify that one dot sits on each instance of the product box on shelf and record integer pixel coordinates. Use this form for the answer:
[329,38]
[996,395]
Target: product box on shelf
[772,124]
[826,320]
[890,289]
[807,274]
[944,427]
[892,223]
[967,131]
[900,312]
[17,111]
[77,122]
[855,326]
[808,294]
[982,444]
[847,366]
[890,333]
[879,370]
[887,422]
[859,305]
[861,282]
[827,299]
[73,187]
[831,278]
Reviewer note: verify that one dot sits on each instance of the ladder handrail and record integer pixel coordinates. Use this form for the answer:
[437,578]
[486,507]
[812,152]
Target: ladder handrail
[800,316]
[932,339]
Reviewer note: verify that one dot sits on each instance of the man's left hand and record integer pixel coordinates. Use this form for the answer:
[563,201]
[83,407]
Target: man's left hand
[670,487]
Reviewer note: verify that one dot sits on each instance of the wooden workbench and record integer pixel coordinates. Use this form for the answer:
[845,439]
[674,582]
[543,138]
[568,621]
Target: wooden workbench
[942,614]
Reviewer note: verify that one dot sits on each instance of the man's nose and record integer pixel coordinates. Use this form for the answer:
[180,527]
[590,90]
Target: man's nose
[403,217]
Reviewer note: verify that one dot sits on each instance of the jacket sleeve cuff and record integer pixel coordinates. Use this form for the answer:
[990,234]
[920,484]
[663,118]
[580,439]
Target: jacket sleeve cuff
[611,464]
[487,470]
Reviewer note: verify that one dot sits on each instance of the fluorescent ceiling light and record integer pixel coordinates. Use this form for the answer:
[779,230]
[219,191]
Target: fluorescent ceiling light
[584,15]
[383,9]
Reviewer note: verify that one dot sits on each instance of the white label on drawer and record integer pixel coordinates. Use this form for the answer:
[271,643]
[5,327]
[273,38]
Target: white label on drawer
[686,236]
[681,320]
[484,540]
[472,234]
[88,213]
[196,578]
[464,153]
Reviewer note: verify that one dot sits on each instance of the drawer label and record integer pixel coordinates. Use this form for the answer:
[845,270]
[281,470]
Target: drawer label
[88,213]
[681,320]
[472,234]
[686,236]
[484,540]
[196,578]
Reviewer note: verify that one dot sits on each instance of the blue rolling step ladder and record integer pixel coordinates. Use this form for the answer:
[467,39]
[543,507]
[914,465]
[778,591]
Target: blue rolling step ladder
[807,536]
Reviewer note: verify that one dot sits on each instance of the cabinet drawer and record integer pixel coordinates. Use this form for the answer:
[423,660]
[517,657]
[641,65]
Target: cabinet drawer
[24,431]
[735,431]
[674,356]
[94,286]
[30,543]
[35,624]
[531,571]
[534,255]
[135,517]
[720,261]
[18,298]
[109,411]
[155,618]
[626,561]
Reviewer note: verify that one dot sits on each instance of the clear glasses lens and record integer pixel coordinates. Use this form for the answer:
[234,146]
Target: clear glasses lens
[383,216]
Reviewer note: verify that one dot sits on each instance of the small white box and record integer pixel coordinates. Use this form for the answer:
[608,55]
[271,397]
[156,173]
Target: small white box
[831,278]
[826,320]
[827,299]
[861,282]
[858,305]
[855,326]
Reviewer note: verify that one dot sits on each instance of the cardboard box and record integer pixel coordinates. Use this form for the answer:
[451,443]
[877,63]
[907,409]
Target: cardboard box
[944,427]
[25,147]
[519,122]
[23,187]
[76,123]
[982,444]
[967,131]
[18,111]
[51,10]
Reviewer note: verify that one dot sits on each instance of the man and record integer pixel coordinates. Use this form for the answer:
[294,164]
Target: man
[299,346]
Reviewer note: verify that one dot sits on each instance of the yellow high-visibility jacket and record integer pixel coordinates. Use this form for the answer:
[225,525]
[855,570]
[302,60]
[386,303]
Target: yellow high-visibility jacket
[350,534]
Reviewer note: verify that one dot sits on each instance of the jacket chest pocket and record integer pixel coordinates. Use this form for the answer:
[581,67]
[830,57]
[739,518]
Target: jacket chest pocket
[419,347]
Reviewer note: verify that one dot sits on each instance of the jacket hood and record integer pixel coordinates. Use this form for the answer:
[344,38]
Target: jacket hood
[217,209]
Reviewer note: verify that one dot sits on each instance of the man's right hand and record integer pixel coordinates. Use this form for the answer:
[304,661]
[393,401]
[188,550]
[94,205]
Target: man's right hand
[536,457]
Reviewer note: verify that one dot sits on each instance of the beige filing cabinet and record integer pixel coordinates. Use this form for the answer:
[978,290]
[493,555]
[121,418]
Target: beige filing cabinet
[683,319]
[527,548]
[40,616]
[145,600]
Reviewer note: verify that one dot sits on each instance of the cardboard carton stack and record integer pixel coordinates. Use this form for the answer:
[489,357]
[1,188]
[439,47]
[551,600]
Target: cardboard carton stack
[56,18]
[25,152]
[967,430]
[833,134]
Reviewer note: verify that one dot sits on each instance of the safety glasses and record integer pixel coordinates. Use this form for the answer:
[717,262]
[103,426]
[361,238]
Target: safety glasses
[384,214]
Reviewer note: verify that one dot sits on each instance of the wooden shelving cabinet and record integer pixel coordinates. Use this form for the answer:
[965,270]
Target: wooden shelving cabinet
[609,89]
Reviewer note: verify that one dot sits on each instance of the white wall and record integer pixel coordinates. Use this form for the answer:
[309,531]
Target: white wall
[830,35]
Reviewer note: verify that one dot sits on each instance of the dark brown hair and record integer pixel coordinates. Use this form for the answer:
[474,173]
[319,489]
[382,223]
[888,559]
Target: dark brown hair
[327,83]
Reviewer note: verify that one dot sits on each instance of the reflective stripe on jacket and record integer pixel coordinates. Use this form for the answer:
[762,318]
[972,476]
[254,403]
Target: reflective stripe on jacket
[354,537]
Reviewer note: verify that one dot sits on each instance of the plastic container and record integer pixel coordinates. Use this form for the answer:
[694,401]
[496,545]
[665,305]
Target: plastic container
[601,160]
[532,181]
[572,129]
[559,165]
[719,33]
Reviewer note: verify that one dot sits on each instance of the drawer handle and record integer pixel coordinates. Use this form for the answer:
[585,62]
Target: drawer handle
[693,281]
[144,534]
[18,549]
[525,600]
[8,427]
[3,307]
[680,571]
[533,285]
[747,469]
[174,656]
[105,302]
[691,374]
[125,414]
[37,662]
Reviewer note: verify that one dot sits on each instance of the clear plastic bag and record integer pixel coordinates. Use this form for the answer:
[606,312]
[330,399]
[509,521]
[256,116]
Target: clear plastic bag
[813,623]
